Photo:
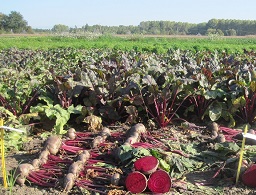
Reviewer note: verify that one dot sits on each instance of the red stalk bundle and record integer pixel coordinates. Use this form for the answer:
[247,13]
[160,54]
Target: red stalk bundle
[89,185]
[230,131]
[73,135]
[230,134]
[157,143]
[118,135]
[83,135]
[143,145]
[71,149]
[77,142]
[74,170]
[57,159]
[44,178]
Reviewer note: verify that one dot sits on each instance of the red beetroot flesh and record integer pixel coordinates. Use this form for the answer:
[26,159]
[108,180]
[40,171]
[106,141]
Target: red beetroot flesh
[159,182]
[146,164]
[249,177]
[136,182]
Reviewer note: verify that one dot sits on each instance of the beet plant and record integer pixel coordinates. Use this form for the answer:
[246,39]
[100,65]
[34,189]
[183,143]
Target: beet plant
[162,104]
[206,96]
[246,107]
[55,112]
[243,105]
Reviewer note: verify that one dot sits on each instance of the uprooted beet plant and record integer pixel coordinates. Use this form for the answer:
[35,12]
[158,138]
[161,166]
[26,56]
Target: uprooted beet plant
[94,162]
[132,160]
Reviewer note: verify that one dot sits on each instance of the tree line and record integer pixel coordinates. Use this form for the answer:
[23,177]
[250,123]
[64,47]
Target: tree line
[223,27]
[15,23]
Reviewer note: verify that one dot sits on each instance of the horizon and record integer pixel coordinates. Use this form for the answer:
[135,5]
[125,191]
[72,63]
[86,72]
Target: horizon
[46,14]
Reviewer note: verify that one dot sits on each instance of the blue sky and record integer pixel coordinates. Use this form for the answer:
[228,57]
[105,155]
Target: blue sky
[47,13]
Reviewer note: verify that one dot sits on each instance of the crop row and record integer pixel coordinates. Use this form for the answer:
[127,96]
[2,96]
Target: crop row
[69,85]
[138,43]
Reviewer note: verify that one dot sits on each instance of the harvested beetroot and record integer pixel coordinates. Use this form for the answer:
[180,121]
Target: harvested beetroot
[249,176]
[97,141]
[139,128]
[159,182]
[69,182]
[53,144]
[71,134]
[136,182]
[134,133]
[22,172]
[43,157]
[76,167]
[115,179]
[84,156]
[146,164]
[105,133]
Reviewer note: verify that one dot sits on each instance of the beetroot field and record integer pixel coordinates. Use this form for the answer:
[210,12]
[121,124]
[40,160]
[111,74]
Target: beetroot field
[109,121]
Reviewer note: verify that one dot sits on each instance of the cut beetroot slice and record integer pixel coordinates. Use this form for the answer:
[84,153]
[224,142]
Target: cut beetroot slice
[136,182]
[249,176]
[146,164]
[159,182]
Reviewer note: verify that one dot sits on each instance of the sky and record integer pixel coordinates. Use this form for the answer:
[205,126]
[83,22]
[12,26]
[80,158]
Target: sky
[45,14]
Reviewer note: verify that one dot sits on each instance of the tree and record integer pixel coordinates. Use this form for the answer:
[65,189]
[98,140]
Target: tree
[14,22]
[29,30]
[212,23]
[60,28]
[231,32]
[1,22]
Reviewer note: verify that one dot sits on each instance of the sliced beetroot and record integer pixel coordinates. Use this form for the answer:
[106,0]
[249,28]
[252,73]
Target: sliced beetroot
[136,182]
[159,182]
[249,176]
[146,164]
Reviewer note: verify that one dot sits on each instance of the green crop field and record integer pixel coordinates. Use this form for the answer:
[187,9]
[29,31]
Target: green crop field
[137,43]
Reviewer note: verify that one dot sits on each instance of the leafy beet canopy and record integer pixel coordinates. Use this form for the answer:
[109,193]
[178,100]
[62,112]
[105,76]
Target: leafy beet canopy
[129,86]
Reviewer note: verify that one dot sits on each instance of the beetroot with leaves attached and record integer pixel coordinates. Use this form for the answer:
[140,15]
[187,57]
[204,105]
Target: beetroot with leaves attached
[146,164]
[159,182]
[249,177]
[136,182]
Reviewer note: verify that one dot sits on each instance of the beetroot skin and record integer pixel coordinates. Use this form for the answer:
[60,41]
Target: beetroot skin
[249,176]
[159,182]
[146,164]
[136,182]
